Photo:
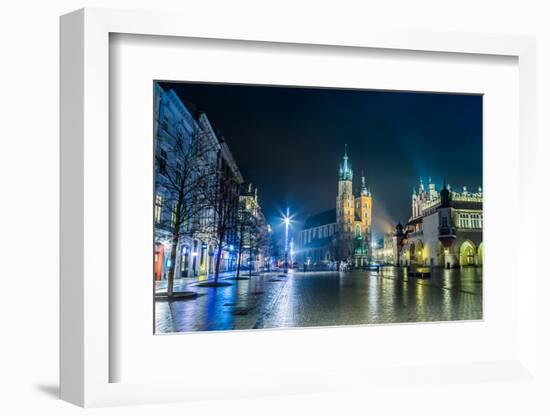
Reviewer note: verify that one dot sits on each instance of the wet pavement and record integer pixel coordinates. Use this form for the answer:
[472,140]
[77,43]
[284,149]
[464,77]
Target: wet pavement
[272,300]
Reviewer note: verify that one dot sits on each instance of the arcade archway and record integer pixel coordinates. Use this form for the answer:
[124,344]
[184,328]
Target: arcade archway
[411,253]
[416,253]
[419,254]
[467,254]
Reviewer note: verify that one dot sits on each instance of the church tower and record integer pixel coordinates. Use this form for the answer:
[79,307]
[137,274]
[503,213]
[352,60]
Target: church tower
[363,210]
[362,226]
[345,208]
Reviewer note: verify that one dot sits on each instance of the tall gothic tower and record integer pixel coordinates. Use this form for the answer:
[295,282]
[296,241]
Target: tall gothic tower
[345,208]
[363,210]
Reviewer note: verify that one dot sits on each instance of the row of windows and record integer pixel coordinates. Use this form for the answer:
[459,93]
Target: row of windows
[203,217]
[319,232]
[162,162]
[175,126]
[159,206]
[470,220]
[159,202]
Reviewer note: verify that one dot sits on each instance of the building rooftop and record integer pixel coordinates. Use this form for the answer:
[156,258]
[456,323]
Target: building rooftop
[323,218]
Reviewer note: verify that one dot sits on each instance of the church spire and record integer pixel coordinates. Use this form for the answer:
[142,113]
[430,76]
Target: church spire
[364,189]
[346,173]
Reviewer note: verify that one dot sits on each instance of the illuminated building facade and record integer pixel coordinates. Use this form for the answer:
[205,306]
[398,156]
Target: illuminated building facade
[176,127]
[383,252]
[253,231]
[342,234]
[444,230]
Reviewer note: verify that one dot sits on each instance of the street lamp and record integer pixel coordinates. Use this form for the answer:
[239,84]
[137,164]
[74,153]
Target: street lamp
[268,258]
[286,220]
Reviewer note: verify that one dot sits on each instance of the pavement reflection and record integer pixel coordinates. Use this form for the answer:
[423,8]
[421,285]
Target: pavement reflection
[299,299]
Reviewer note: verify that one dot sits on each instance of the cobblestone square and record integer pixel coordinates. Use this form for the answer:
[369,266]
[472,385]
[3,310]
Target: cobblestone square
[314,299]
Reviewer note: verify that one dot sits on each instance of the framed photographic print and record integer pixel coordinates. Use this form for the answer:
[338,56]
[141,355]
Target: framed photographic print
[327,209]
[264,217]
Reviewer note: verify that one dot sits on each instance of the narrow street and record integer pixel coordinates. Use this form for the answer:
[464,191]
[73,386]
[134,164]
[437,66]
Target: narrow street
[299,299]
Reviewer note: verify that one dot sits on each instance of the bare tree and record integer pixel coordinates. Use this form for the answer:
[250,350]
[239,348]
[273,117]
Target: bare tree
[245,225]
[224,202]
[185,174]
[253,236]
[226,205]
[260,241]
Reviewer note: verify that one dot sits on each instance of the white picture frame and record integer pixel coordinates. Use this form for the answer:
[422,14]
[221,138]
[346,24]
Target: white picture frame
[85,213]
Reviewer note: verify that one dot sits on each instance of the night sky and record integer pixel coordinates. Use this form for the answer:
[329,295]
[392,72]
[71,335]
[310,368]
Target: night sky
[289,142]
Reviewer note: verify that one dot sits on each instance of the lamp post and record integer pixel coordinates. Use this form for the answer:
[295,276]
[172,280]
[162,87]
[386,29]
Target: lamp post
[268,258]
[286,220]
